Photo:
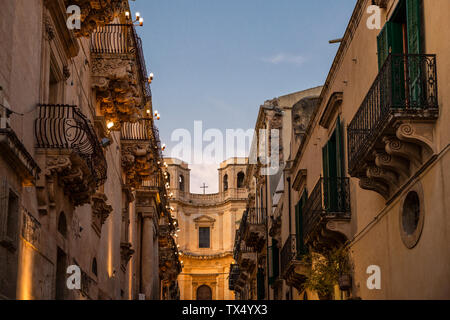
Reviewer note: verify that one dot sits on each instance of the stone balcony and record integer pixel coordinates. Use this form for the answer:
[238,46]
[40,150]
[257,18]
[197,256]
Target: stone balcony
[391,137]
[69,149]
[293,269]
[119,74]
[233,277]
[326,214]
[139,157]
[254,224]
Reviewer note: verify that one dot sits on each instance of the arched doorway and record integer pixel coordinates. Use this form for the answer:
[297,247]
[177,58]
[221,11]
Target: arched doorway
[204,293]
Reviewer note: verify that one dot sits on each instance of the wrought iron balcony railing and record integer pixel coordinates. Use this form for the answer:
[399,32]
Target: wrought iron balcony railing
[233,277]
[121,39]
[257,216]
[66,127]
[330,198]
[289,253]
[405,86]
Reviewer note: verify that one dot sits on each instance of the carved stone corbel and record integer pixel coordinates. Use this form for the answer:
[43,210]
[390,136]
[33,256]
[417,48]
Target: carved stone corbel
[419,133]
[374,185]
[406,150]
[393,163]
[100,211]
[73,175]
[386,176]
[126,252]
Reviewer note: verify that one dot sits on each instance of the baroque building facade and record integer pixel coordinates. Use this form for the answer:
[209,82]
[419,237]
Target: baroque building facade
[368,220]
[80,163]
[208,223]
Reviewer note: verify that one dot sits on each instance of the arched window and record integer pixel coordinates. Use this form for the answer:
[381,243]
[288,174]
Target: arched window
[204,293]
[240,180]
[168,178]
[225,182]
[181,181]
[94,266]
[62,224]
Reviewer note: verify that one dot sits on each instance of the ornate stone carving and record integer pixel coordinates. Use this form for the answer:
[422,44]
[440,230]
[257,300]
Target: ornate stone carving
[419,133]
[137,162]
[116,84]
[49,28]
[100,211]
[96,13]
[371,184]
[74,176]
[403,149]
[125,254]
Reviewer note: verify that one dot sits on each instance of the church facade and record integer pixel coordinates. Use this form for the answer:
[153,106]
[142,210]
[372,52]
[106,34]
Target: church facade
[207,225]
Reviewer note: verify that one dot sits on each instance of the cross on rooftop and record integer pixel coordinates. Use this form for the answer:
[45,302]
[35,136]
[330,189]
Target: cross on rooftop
[204,188]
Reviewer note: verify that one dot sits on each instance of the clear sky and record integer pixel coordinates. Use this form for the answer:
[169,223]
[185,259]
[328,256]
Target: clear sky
[219,60]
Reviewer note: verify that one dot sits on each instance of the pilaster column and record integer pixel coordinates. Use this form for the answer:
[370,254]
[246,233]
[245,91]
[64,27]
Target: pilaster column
[148,253]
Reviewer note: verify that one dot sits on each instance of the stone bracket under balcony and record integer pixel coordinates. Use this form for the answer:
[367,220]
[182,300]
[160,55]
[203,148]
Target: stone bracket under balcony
[247,261]
[138,162]
[100,211]
[96,13]
[67,170]
[126,252]
[296,274]
[115,82]
[396,156]
[255,236]
[69,150]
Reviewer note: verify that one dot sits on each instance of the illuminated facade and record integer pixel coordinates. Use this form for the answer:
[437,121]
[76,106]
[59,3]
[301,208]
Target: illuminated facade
[81,183]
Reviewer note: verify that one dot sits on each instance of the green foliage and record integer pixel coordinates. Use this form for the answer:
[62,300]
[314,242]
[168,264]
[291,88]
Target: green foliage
[325,270]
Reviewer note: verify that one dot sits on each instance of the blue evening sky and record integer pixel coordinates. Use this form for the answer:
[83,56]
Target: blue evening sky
[218,61]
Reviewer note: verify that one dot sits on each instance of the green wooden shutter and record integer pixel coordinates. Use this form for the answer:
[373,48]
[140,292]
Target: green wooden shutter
[390,40]
[339,148]
[301,249]
[325,161]
[414,20]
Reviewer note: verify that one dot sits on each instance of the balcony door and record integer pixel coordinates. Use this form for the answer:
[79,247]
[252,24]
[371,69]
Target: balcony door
[400,36]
